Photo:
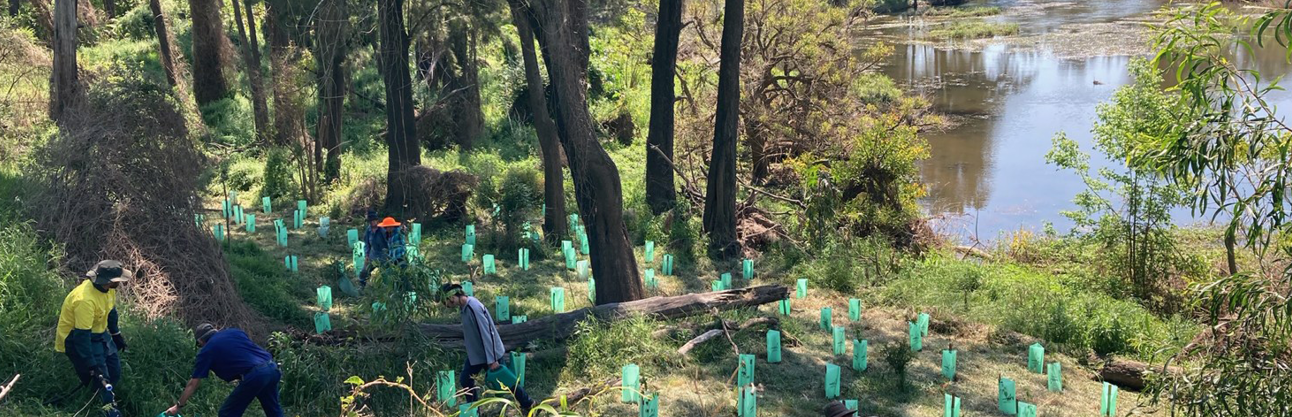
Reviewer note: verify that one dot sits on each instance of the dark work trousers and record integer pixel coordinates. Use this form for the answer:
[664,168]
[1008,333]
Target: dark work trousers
[468,382]
[260,383]
[111,369]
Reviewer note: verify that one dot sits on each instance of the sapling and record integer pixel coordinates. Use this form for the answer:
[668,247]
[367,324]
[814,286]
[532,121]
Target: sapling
[969,282]
[898,357]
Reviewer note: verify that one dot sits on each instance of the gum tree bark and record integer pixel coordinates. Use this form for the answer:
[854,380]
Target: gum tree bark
[720,197]
[209,46]
[163,42]
[64,81]
[330,42]
[660,193]
[597,187]
[554,221]
[251,59]
[401,128]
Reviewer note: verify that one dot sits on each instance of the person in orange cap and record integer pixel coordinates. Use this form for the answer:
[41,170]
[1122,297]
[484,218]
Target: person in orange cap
[386,246]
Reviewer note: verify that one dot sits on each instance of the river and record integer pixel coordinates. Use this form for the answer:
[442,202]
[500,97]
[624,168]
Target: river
[987,175]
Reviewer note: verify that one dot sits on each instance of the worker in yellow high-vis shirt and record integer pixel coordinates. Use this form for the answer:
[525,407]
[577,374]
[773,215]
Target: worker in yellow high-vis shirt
[87,329]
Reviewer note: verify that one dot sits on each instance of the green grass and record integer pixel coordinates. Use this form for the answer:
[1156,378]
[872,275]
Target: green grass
[961,12]
[976,29]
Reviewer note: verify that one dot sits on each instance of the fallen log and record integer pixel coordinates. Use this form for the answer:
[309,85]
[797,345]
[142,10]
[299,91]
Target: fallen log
[704,337]
[1128,374]
[561,326]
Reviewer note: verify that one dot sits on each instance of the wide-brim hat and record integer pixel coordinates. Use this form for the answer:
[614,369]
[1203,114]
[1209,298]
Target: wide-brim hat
[109,271]
[203,331]
[388,222]
[372,215]
[838,409]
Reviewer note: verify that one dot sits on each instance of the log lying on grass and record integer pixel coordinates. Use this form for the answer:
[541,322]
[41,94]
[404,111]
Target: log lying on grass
[560,326]
[1129,374]
[704,337]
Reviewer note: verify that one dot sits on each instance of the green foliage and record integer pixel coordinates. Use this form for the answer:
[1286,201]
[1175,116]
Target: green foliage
[1061,309]
[968,281]
[1127,210]
[277,175]
[264,285]
[601,348]
[897,356]
[136,24]
[960,12]
[1231,157]
[973,29]
[230,121]
[848,264]
[311,384]
[517,199]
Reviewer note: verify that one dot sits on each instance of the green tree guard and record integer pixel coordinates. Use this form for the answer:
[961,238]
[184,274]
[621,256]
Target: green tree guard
[489,266]
[1026,409]
[784,307]
[917,340]
[468,252]
[569,259]
[592,291]
[650,252]
[325,298]
[251,223]
[351,237]
[1036,358]
[322,323]
[266,205]
[726,280]
[832,382]
[558,300]
[445,387]
[950,405]
[1054,377]
[923,321]
[518,366]
[949,364]
[745,375]
[415,234]
[631,377]
[218,231]
[649,408]
[748,269]
[471,234]
[840,346]
[502,308]
[566,245]
[522,259]
[583,269]
[773,346]
[303,208]
[854,310]
[468,288]
[826,318]
[1108,400]
[466,410]
[1005,399]
[800,290]
[668,264]
[716,285]
[851,405]
[649,278]
[237,214]
[747,404]
[298,220]
[519,319]
[859,352]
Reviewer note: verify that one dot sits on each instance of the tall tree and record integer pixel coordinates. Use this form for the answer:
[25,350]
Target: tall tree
[554,223]
[330,43]
[464,89]
[288,115]
[209,52]
[660,193]
[14,7]
[163,42]
[720,196]
[251,59]
[597,188]
[64,80]
[110,7]
[401,128]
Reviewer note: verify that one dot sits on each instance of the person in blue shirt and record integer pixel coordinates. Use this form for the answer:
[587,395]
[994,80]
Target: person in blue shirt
[231,355]
[385,245]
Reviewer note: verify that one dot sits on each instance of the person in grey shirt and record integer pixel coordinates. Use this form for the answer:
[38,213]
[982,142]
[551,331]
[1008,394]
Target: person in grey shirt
[484,346]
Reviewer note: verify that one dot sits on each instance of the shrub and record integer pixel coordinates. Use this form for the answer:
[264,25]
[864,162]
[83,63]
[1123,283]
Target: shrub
[278,175]
[135,25]
[897,356]
[601,348]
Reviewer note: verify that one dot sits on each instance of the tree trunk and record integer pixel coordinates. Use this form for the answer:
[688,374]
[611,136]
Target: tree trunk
[463,90]
[597,187]
[250,59]
[163,42]
[331,45]
[554,225]
[720,198]
[64,82]
[209,46]
[15,6]
[660,193]
[286,111]
[560,326]
[110,7]
[401,133]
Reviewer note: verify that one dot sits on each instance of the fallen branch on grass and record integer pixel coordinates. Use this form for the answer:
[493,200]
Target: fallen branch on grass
[561,326]
[7,387]
[581,393]
[704,337]
[1127,374]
